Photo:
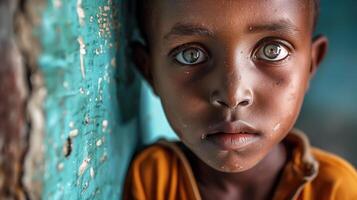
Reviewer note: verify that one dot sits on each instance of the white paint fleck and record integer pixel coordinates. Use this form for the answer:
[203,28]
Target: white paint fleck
[83,166]
[57,3]
[80,12]
[106,8]
[65,84]
[87,119]
[81,90]
[105,124]
[99,83]
[71,124]
[99,143]
[91,172]
[73,133]
[113,62]
[60,166]
[276,127]
[82,52]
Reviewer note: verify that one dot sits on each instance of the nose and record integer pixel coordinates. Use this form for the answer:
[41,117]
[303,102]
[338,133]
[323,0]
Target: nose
[231,92]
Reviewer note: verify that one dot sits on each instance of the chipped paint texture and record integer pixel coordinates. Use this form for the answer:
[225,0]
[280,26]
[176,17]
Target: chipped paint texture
[92,99]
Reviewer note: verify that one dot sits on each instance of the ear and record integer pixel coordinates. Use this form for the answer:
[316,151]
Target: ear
[141,59]
[318,52]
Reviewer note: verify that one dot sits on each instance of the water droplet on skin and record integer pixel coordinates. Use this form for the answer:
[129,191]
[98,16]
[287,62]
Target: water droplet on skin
[203,136]
[238,167]
[276,127]
[291,97]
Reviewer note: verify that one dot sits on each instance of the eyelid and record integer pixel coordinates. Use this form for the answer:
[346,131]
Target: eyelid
[179,49]
[182,47]
[271,40]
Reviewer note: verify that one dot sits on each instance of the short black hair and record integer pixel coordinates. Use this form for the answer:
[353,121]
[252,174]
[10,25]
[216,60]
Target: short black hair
[142,12]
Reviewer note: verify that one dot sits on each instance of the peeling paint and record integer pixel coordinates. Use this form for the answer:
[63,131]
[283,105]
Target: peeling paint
[83,166]
[99,143]
[80,12]
[60,166]
[91,172]
[88,107]
[57,4]
[73,133]
[82,52]
[71,124]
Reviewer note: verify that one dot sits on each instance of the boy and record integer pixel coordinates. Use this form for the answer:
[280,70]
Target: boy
[231,76]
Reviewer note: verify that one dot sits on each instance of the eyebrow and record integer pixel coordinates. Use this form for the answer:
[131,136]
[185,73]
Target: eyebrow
[278,26]
[180,29]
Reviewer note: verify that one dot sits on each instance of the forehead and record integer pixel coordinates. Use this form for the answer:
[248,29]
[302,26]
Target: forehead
[231,15]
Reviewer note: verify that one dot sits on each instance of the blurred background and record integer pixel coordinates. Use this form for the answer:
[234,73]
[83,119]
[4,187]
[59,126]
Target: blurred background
[73,111]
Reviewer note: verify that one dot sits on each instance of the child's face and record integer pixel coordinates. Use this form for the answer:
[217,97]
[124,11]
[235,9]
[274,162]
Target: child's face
[232,75]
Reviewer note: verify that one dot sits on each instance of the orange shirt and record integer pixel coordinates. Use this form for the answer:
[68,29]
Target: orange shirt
[162,172]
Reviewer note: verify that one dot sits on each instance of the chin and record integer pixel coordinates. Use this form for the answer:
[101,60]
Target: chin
[232,162]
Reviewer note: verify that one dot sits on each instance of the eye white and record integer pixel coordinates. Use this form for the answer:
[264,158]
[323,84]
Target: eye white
[191,56]
[272,52]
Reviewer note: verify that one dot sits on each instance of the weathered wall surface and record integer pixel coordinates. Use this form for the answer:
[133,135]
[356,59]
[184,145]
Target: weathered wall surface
[13,93]
[91,107]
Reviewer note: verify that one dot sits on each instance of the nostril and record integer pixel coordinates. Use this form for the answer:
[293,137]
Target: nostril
[219,102]
[244,103]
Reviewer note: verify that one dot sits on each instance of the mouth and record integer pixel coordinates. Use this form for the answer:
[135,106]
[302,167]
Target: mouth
[232,135]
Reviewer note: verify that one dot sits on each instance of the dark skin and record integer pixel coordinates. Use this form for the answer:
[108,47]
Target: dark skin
[241,66]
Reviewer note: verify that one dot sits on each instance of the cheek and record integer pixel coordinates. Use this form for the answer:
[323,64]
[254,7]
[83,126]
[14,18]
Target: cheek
[184,103]
[279,100]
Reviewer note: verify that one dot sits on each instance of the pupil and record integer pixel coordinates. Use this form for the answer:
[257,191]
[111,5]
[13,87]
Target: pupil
[191,55]
[272,51]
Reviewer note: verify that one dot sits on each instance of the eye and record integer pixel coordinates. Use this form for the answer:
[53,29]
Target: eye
[272,52]
[191,56]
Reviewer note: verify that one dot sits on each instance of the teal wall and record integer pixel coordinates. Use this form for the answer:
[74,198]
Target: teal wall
[92,99]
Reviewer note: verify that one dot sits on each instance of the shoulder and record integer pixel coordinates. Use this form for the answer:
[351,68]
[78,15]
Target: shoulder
[151,171]
[333,165]
[336,175]
[155,153]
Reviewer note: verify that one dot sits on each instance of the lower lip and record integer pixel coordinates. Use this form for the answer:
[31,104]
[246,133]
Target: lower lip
[232,141]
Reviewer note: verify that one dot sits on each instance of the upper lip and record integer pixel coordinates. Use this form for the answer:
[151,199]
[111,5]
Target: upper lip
[234,127]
